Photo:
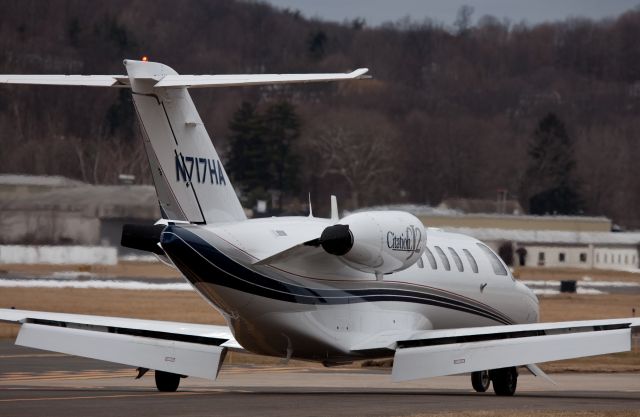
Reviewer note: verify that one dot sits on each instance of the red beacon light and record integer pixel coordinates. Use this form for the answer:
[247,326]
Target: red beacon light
[145,58]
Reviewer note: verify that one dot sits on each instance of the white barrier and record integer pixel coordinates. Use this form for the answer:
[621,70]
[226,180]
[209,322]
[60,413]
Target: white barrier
[58,255]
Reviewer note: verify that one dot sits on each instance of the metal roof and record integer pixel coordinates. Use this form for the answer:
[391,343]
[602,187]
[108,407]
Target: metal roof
[425,210]
[38,180]
[550,236]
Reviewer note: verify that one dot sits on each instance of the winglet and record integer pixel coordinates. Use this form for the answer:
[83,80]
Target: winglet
[536,371]
[359,73]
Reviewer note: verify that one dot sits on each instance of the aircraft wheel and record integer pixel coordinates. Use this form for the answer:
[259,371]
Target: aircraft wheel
[505,381]
[166,381]
[480,381]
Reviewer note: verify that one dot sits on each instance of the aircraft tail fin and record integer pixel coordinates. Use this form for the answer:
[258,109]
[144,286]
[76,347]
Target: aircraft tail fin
[190,180]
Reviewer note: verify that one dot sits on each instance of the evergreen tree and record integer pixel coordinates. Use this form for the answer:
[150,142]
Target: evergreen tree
[261,157]
[316,44]
[247,160]
[121,117]
[549,186]
[283,130]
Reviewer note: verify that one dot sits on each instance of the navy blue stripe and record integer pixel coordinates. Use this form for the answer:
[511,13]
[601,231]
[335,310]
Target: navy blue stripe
[201,262]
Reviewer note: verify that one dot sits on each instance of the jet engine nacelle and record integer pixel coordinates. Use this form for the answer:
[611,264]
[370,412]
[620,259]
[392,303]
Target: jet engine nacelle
[380,242]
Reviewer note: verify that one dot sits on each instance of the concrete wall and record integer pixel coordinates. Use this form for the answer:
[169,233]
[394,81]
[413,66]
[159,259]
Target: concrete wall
[619,258]
[76,255]
[33,227]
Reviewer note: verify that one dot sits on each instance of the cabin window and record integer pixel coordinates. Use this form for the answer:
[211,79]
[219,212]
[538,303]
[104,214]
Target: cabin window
[606,258]
[498,267]
[561,257]
[431,258]
[583,257]
[443,258]
[626,259]
[597,258]
[456,259]
[472,261]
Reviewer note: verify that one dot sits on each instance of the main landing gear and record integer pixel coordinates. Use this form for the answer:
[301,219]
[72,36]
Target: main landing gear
[505,381]
[167,382]
[480,381]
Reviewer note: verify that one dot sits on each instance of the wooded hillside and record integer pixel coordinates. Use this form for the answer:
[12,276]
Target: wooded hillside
[451,111]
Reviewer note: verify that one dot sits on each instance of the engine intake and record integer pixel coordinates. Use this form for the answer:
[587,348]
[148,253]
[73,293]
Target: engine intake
[337,239]
[380,242]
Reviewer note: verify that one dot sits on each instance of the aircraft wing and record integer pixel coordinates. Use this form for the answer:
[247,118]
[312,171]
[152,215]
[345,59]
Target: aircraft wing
[180,348]
[425,354]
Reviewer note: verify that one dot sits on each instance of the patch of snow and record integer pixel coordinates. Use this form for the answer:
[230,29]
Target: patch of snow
[58,255]
[581,291]
[94,284]
[582,284]
[72,274]
[138,258]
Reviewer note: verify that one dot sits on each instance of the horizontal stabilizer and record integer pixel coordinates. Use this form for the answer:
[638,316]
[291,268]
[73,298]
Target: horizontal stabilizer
[73,80]
[199,81]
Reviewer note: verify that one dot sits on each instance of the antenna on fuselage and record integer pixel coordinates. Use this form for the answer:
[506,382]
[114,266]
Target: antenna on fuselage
[334,209]
[310,208]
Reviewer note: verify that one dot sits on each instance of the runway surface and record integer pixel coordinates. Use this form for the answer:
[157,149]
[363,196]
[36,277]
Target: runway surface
[36,383]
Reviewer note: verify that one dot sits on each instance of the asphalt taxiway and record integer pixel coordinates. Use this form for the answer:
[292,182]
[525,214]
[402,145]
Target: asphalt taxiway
[36,383]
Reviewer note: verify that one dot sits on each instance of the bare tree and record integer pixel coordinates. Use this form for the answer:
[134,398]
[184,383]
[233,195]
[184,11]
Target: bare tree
[359,152]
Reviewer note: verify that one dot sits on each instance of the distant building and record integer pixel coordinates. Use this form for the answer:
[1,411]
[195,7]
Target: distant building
[46,210]
[569,249]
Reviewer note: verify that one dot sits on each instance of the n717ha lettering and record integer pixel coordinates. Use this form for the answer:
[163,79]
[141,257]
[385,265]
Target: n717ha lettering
[367,286]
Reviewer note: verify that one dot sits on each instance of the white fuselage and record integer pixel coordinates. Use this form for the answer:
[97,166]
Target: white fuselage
[313,306]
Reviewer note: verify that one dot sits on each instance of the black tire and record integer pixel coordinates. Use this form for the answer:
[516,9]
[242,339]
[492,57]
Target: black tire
[480,381]
[167,382]
[505,381]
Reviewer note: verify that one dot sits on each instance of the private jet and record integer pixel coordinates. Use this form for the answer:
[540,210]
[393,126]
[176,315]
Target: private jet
[371,285]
